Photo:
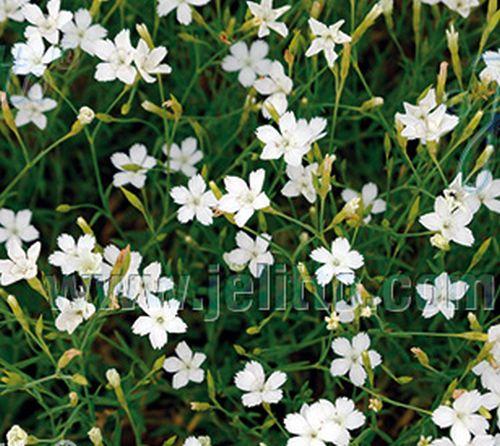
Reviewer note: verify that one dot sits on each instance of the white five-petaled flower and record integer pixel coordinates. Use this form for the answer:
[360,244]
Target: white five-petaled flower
[426,121]
[161,319]
[450,222]
[463,7]
[73,313]
[441,297]
[31,108]
[339,262]
[277,86]
[32,56]
[252,379]
[81,33]
[17,226]
[133,167]
[301,182]
[326,37]
[21,265]
[313,425]
[254,253]
[244,199]
[347,417]
[462,418]
[184,158]
[117,57]
[491,73]
[46,26]
[368,195]
[195,200]
[185,366]
[249,62]
[489,373]
[17,436]
[266,17]
[77,256]
[293,139]
[148,61]
[11,9]
[351,360]
[184,13]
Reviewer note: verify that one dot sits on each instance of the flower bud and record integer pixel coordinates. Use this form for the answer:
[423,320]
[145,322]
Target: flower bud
[67,357]
[484,157]
[17,436]
[367,22]
[143,31]
[372,103]
[95,436]
[375,404]
[113,378]
[85,115]
[441,242]
[200,407]
[73,399]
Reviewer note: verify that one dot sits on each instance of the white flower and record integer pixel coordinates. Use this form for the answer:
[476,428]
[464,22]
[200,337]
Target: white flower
[46,26]
[184,14]
[266,17]
[277,85]
[494,339]
[450,222]
[487,191]
[242,199]
[492,70]
[489,373]
[292,141]
[117,59]
[151,282]
[339,262]
[22,265]
[426,121]
[249,63]
[480,440]
[73,313]
[161,319]
[301,182]
[17,436]
[198,441]
[352,358]
[462,196]
[186,367]
[82,33]
[17,226]
[77,256]
[252,380]
[185,158]
[326,37]
[148,61]
[195,201]
[11,9]
[462,418]
[347,417]
[31,108]
[463,7]
[368,195]
[441,296]
[32,57]
[133,167]
[491,400]
[313,426]
[255,253]
[111,255]
[95,436]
